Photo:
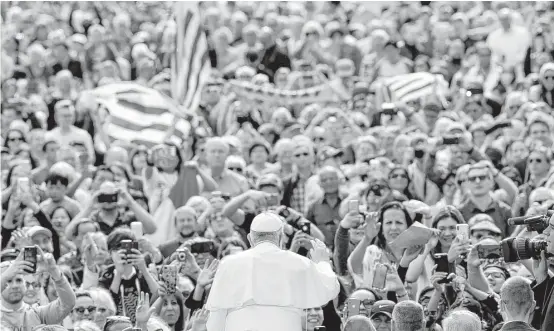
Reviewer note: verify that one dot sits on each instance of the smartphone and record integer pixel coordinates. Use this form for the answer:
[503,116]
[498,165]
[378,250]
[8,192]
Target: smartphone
[30,255]
[136,228]
[23,186]
[353,206]
[168,276]
[490,251]
[389,109]
[320,328]
[380,277]
[463,231]
[450,140]
[129,245]
[108,198]
[353,307]
[443,265]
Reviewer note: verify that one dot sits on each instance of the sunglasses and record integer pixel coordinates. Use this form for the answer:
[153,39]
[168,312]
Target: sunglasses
[81,310]
[368,303]
[311,33]
[539,161]
[481,178]
[394,176]
[15,139]
[377,190]
[237,169]
[302,154]
[495,274]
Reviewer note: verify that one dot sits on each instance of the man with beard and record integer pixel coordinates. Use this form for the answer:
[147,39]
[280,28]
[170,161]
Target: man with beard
[16,314]
[186,225]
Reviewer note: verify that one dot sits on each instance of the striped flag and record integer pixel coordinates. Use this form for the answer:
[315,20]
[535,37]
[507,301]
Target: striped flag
[190,64]
[411,87]
[138,114]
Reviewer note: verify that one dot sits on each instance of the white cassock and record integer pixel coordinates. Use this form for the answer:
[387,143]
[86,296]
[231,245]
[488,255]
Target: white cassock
[266,288]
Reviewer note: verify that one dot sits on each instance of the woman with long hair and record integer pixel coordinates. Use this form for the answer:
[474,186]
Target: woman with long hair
[545,90]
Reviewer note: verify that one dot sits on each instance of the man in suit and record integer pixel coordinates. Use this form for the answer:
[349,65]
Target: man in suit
[273,58]
[517,303]
[267,288]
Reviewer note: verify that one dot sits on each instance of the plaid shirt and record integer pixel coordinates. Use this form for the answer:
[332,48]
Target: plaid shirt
[298,199]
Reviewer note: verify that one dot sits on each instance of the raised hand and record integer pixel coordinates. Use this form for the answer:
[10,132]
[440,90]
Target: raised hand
[136,258]
[300,239]
[411,254]
[144,311]
[372,226]
[199,319]
[319,252]
[206,276]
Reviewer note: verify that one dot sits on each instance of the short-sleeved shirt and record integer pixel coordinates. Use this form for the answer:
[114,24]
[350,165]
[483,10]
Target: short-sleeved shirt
[498,210]
[72,206]
[231,183]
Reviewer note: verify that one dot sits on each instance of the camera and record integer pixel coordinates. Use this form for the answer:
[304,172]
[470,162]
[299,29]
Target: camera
[304,226]
[537,223]
[389,108]
[515,249]
[181,255]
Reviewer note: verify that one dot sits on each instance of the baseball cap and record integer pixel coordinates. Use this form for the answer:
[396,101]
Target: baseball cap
[328,152]
[270,180]
[37,229]
[486,225]
[266,222]
[384,307]
[360,88]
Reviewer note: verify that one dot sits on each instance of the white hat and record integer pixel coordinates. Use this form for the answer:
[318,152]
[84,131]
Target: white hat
[266,222]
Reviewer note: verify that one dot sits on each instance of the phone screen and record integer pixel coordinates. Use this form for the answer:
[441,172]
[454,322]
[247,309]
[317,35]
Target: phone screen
[442,262]
[168,276]
[30,255]
[380,277]
[353,307]
[463,231]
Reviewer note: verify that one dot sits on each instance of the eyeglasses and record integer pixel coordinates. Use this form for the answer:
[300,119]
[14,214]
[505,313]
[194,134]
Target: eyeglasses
[81,310]
[539,161]
[101,310]
[34,284]
[475,179]
[237,169]
[15,139]
[394,176]
[311,33]
[368,303]
[302,154]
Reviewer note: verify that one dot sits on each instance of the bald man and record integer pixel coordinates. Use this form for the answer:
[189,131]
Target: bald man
[217,151]
[267,288]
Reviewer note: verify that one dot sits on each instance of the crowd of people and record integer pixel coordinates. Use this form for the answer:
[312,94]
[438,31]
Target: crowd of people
[93,230]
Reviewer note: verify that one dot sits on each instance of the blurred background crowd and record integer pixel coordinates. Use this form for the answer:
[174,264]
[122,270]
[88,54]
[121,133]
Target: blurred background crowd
[352,121]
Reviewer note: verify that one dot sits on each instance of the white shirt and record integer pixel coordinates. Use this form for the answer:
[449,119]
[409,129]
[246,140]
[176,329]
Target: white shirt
[75,135]
[510,45]
[265,288]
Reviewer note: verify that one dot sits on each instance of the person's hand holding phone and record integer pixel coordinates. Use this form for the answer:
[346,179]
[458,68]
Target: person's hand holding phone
[300,240]
[352,220]
[120,260]
[18,266]
[437,280]
[458,248]
[393,282]
[136,258]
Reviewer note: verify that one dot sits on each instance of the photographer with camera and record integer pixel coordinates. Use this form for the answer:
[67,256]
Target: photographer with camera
[267,196]
[543,286]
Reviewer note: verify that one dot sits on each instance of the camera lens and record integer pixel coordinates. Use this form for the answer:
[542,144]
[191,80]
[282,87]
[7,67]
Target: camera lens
[527,249]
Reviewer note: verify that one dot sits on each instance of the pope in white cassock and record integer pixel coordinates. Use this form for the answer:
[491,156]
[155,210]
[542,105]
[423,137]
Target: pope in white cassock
[266,288]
